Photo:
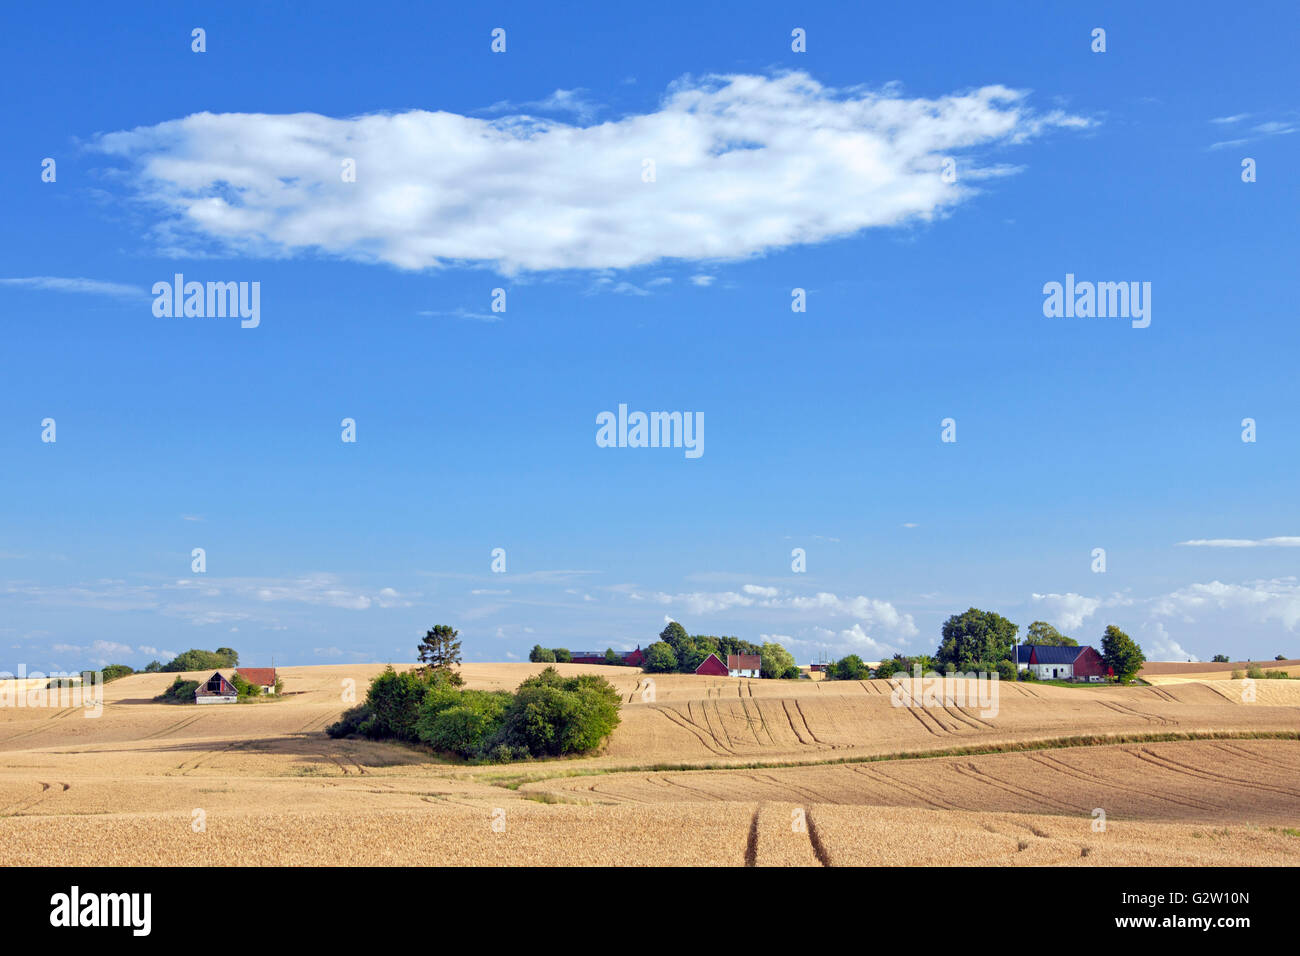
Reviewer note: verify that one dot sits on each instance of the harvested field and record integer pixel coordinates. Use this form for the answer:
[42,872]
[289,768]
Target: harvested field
[1173,672]
[1186,772]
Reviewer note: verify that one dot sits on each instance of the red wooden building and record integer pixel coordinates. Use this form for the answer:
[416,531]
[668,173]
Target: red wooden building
[628,658]
[712,666]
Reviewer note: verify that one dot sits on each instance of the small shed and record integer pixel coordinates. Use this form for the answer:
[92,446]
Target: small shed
[712,666]
[743,665]
[216,690]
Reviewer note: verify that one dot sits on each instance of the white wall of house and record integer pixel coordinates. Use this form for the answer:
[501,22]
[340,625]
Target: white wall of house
[739,672]
[216,700]
[1053,671]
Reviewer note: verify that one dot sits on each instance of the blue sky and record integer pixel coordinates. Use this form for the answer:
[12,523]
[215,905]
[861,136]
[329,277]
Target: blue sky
[523,171]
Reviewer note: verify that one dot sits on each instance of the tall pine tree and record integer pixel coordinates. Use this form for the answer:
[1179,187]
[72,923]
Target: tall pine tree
[440,649]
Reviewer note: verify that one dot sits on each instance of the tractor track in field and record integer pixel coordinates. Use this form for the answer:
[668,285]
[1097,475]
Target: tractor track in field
[971,771]
[1176,766]
[678,720]
[47,790]
[808,727]
[751,844]
[956,713]
[1258,758]
[1055,763]
[916,793]
[913,711]
[1128,711]
[44,725]
[979,720]
[814,837]
[181,724]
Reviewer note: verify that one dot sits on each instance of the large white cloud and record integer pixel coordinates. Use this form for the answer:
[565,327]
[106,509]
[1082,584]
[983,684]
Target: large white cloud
[1069,610]
[1265,601]
[744,164]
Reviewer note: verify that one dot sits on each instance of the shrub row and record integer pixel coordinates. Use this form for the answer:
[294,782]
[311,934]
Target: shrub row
[548,716]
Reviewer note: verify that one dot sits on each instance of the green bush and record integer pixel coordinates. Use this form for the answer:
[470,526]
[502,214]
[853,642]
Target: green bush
[851,667]
[114,671]
[660,658]
[549,715]
[244,689]
[1006,670]
[461,721]
[180,692]
[552,715]
[358,720]
[396,700]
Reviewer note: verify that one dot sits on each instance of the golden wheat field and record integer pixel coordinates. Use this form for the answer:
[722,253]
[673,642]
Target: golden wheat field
[702,771]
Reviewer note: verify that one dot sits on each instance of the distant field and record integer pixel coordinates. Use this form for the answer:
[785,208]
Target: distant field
[1171,672]
[1186,773]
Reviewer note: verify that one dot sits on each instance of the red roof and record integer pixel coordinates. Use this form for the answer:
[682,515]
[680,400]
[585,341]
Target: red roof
[712,665]
[261,676]
[743,662]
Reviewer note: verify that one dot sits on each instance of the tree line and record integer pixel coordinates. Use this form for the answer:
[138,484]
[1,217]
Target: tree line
[977,640]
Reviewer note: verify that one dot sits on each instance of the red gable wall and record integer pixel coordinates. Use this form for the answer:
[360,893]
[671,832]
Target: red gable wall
[712,666]
[1089,664]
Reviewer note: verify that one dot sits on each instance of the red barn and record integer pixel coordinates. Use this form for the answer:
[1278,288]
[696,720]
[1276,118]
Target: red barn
[712,666]
[1089,666]
[629,658]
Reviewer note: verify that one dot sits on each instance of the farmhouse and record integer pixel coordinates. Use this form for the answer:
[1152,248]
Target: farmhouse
[263,677]
[712,666]
[628,658]
[1049,662]
[216,690]
[743,665]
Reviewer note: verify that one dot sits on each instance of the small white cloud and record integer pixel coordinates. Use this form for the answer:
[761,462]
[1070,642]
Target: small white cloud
[87,286]
[1280,542]
[463,313]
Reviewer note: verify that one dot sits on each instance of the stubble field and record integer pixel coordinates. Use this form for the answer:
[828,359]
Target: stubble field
[707,771]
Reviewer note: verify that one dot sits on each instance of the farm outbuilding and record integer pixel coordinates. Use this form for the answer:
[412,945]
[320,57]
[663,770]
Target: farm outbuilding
[1050,662]
[263,677]
[216,690]
[743,665]
[712,666]
[631,658]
